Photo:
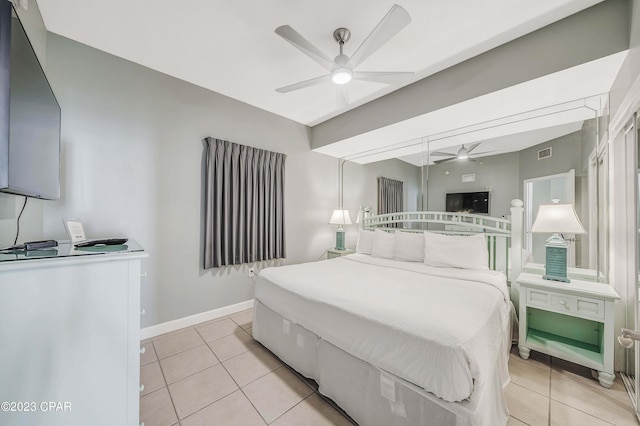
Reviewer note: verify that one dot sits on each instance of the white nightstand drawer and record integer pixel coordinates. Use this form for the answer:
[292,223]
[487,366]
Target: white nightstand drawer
[590,307]
[579,306]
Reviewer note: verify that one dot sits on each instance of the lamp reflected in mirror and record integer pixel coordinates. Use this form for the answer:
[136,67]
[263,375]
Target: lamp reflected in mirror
[340,218]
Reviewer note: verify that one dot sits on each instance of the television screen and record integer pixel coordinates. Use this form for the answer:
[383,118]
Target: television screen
[29,116]
[468,202]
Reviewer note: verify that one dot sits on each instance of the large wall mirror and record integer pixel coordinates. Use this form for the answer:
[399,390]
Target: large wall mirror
[556,153]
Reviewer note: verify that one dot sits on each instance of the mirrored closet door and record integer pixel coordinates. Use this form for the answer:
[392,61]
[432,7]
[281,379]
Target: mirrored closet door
[632,360]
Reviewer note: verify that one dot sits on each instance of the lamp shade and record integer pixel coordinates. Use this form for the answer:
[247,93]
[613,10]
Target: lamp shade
[340,217]
[558,218]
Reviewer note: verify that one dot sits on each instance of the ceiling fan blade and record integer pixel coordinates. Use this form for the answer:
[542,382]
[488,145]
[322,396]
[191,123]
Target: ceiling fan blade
[383,77]
[342,95]
[472,147]
[445,160]
[393,22]
[303,84]
[293,37]
[440,154]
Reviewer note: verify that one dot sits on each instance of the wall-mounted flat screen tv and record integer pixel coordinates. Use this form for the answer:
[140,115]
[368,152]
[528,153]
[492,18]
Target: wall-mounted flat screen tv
[468,202]
[29,116]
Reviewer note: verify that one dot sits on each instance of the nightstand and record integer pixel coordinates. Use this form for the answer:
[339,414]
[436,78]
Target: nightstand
[572,321]
[331,253]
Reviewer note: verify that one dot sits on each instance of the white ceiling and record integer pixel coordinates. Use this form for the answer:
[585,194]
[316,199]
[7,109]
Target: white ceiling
[230,46]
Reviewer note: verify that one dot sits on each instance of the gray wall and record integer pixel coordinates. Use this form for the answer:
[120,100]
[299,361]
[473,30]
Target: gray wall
[566,155]
[132,157]
[631,66]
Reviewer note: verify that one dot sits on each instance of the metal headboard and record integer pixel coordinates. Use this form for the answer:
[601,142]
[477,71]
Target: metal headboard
[504,236]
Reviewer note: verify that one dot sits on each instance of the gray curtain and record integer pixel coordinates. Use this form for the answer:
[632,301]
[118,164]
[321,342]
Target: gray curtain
[390,195]
[244,204]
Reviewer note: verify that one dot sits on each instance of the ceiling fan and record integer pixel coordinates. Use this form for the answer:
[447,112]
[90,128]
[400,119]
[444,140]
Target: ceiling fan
[341,68]
[463,154]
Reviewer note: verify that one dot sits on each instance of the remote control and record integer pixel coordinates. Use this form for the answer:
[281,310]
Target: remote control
[36,245]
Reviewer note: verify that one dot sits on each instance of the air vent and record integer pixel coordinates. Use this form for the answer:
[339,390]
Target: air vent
[469,178]
[544,153]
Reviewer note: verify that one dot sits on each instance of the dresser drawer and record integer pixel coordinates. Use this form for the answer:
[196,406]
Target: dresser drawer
[585,307]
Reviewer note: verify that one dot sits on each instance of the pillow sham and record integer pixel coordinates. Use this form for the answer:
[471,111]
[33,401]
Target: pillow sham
[409,246]
[364,245]
[383,244]
[456,251]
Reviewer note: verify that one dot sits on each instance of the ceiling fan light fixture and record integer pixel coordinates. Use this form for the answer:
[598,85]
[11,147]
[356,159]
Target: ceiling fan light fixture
[341,75]
[463,153]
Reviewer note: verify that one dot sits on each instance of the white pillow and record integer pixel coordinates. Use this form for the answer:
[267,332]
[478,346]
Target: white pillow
[365,241]
[456,251]
[409,247]
[383,244]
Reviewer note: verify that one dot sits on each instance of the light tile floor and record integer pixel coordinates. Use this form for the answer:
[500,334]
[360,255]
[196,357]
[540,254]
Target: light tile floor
[214,373]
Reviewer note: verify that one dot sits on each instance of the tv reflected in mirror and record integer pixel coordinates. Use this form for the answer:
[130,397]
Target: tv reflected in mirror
[468,202]
[29,116]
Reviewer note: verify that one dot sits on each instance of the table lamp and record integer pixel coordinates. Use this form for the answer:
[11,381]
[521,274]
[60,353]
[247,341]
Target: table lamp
[340,218]
[557,219]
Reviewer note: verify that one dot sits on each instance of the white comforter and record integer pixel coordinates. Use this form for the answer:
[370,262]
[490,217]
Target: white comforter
[439,328]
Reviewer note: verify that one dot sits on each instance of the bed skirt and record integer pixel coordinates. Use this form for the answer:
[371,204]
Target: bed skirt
[369,395]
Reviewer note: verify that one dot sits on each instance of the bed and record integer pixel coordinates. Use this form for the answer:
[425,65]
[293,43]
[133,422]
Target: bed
[394,340]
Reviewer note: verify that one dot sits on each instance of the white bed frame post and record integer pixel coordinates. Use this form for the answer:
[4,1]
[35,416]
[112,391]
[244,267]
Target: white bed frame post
[517,220]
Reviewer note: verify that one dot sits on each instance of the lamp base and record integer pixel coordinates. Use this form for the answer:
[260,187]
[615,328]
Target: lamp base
[340,239]
[556,259]
[554,278]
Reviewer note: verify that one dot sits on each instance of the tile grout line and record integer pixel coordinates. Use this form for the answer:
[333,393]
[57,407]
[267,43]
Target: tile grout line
[254,407]
[242,390]
[179,352]
[209,405]
[257,378]
[584,412]
[529,389]
[221,337]
[225,369]
[205,343]
[549,397]
[228,335]
[170,334]
[250,401]
[219,399]
[294,406]
[192,374]
[167,386]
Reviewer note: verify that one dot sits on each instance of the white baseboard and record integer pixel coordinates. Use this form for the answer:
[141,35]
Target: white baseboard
[166,327]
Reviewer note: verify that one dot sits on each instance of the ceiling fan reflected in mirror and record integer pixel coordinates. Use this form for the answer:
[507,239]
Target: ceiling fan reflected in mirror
[463,154]
[341,68]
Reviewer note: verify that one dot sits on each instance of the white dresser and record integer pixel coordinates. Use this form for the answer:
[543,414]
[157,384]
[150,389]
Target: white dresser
[70,338]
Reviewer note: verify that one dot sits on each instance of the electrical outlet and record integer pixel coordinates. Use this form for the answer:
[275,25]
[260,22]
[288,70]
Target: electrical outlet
[252,273]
